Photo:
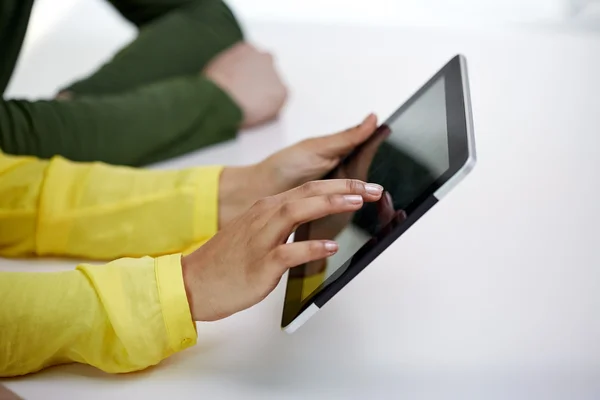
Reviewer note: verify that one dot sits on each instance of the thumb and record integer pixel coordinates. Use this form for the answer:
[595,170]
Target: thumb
[367,152]
[342,143]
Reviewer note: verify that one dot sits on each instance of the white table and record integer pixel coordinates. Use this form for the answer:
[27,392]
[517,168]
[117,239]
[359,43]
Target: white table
[493,294]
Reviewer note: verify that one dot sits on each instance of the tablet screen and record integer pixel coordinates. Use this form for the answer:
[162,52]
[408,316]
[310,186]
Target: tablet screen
[406,155]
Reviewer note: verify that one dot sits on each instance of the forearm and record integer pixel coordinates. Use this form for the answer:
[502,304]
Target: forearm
[99,211]
[120,317]
[181,42]
[153,123]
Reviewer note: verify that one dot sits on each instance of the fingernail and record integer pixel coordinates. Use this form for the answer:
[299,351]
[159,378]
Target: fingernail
[373,188]
[353,199]
[331,246]
[388,197]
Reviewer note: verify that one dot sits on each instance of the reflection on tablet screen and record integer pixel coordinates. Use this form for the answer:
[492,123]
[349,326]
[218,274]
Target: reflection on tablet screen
[405,156]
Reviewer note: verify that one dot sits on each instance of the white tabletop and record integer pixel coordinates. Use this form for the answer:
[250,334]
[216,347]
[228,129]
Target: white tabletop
[495,293]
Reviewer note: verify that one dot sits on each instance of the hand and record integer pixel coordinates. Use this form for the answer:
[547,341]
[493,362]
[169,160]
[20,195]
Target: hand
[359,166]
[64,95]
[250,78]
[293,166]
[356,168]
[331,226]
[244,262]
[6,394]
[313,158]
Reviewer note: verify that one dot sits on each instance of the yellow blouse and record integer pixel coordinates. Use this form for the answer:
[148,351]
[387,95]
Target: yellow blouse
[123,316]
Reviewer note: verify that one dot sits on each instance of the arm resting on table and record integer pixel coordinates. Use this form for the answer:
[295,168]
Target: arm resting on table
[93,210]
[120,317]
[176,37]
[145,125]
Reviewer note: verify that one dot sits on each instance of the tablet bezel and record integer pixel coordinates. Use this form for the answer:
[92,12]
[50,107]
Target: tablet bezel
[461,148]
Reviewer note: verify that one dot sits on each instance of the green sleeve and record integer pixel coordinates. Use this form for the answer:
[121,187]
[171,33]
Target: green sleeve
[176,37]
[141,12]
[141,126]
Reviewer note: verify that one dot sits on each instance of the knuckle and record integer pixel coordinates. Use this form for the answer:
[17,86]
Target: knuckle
[265,203]
[354,186]
[259,205]
[280,255]
[332,200]
[349,185]
[288,211]
[310,188]
[283,95]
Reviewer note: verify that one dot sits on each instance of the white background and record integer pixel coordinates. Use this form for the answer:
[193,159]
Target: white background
[505,305]
[48,13]
[98,19]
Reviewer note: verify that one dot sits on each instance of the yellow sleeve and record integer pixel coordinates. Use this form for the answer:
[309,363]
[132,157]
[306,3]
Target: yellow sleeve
[311,283]
[94,210]
[119,317]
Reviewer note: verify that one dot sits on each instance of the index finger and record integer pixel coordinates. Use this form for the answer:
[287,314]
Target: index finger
[369,191]
[294,213]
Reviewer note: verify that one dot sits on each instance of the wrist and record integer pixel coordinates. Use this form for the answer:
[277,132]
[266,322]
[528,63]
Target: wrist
[237,192]
[198,299]
[203,307]
[228,104]
[240,187]
[188,285]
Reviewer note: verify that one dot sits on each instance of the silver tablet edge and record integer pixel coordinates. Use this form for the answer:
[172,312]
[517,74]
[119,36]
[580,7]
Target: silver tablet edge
[301,319]
[439,194]
[472,158]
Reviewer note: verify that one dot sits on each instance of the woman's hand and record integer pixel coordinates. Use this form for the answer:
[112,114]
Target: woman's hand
[357,168]
[311,159]
[244,261]
[250,77]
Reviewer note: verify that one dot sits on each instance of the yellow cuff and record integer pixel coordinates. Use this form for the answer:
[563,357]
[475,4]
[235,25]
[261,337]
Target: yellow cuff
[311,283]
[206,216]
[181,329]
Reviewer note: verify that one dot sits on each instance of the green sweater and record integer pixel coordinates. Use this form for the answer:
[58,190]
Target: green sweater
[147,104]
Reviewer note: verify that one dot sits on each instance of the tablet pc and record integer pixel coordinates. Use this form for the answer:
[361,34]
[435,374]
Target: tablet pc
[418,155]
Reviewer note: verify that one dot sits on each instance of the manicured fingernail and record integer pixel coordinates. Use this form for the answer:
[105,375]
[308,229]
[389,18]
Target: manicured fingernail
[373,188]
[353,199]
[331,247]
[388,197]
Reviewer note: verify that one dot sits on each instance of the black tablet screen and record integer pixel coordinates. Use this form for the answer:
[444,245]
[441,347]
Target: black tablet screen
[406,156]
